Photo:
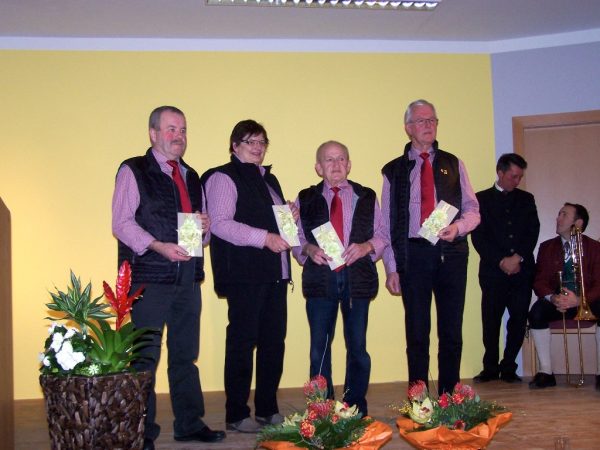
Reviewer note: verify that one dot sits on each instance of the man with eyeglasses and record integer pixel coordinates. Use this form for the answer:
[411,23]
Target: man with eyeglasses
[251,269]
[412,185]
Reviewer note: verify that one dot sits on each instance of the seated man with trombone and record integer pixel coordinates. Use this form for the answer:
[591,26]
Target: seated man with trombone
[567,283]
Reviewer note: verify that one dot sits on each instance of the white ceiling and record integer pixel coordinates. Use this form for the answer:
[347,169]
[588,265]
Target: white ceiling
[453,20]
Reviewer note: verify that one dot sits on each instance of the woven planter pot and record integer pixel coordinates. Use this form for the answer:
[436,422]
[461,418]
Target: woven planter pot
[96,413]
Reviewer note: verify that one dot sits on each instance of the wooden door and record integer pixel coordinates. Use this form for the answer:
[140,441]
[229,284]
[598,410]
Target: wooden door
[563,156]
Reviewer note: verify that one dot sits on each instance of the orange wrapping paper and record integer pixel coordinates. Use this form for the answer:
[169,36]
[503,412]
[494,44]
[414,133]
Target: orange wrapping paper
[376,436]
[442,438]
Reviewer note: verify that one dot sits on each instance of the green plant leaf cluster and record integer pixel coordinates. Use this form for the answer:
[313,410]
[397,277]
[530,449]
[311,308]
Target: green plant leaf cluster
[77,304]
[328,435]
[116,350]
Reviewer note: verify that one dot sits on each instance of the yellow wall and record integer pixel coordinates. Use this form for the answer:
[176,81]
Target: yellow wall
[69,118]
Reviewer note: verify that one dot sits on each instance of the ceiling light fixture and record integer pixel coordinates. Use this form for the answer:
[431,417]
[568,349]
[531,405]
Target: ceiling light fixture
[364,4]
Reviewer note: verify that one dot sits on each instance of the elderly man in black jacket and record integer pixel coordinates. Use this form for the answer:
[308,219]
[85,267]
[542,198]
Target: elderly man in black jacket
[355,215]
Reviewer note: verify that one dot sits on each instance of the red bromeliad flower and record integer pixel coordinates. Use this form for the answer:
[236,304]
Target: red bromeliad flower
[417,391]
[444,400]
[307,429]
[121,302]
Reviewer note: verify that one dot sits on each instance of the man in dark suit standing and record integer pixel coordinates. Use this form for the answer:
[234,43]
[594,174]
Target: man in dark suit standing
[505,240]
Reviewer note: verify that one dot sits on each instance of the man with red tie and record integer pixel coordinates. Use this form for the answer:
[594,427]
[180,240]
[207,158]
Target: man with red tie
[412,185]
[149,192]
[354,213]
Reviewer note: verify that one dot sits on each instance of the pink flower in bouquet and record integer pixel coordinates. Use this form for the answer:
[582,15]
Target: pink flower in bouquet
[417,391]
[307,429]
[320,409]
[444,400]
[457,398]
[459,425]
[316,387]
[465,390]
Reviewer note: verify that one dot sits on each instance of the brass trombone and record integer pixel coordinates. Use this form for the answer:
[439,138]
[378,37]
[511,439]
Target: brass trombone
[583,310]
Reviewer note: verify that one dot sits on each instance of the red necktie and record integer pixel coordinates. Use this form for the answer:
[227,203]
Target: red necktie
[184,198]
[427,202]
[336,214]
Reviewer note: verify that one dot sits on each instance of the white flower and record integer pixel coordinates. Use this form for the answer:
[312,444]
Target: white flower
[70,333]
[52,327]
[57,341]
[345,411]
[67,358]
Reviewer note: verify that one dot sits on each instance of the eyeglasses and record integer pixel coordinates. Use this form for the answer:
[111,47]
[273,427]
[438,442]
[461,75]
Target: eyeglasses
[421,122]
[254,142]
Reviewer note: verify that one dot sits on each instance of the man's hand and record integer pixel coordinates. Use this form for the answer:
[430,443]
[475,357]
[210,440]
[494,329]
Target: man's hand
[169,250]
[205,220]
[449,233]
[565,300]
[511,265]
[295,211]
[357,251]
[392,283]
[316,254]
[276,243]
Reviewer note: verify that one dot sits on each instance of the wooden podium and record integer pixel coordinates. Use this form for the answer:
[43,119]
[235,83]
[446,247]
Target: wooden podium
[7,416]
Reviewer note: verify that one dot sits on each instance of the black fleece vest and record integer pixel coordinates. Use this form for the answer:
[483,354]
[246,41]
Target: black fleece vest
[233,264]
[314,213]
[157,214]
[446,177]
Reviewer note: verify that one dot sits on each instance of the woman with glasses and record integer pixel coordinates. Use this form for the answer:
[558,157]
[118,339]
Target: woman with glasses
[251,269]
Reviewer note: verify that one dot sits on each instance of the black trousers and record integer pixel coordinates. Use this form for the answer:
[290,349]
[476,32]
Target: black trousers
[543,312]
[441,269]
[500,292]
[177,306]
[257,320]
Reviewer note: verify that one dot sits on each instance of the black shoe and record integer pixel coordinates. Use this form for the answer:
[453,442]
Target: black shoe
[484,377]
[542,380]
[204,435]
[598,382]
[510,377]
[148,444]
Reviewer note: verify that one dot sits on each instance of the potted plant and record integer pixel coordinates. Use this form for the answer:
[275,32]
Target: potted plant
[94,398]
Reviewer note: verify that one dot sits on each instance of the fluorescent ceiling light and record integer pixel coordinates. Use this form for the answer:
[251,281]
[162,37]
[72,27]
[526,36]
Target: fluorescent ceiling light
[364,4]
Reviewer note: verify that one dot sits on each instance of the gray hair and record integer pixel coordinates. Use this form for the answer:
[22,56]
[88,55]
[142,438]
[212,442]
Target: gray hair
[154,120]
[413,105]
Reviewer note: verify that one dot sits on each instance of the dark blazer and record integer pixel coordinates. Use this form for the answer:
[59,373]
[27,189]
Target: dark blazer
[509,224]
[551,259]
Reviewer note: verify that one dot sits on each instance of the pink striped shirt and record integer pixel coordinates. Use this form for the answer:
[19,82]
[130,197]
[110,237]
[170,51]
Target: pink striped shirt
[221,197]
[349,199]
[125,202]
[467,222]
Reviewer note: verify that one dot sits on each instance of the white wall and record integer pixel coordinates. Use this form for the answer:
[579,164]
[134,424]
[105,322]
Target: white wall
[543,81]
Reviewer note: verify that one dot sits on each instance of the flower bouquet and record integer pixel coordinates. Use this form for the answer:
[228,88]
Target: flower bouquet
[460,420]
[94,398]
[325,425]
